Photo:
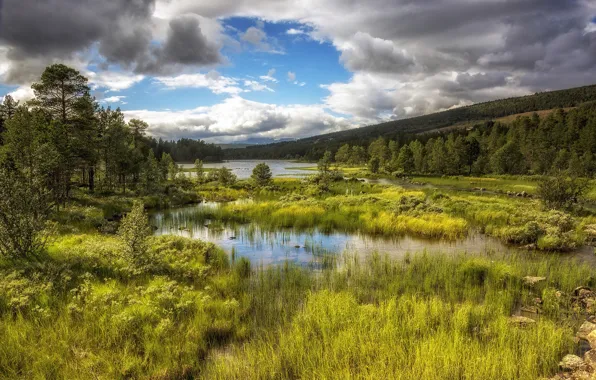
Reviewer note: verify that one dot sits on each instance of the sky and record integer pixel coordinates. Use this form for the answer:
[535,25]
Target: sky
[261,70]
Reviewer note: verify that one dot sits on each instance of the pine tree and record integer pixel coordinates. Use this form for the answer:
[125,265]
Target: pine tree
[261,175]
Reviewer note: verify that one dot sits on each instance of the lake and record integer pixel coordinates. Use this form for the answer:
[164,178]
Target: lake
[243,168]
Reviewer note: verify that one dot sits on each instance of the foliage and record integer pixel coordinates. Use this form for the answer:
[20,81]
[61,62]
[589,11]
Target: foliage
[133,231]
[224,176]
[561,191]
[25,206]
[261,175]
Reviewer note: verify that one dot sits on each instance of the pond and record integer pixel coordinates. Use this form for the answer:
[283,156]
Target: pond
[243,168]
[268,247]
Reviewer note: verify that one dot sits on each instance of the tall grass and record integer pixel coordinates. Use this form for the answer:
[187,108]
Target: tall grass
[423,317]
[82,312]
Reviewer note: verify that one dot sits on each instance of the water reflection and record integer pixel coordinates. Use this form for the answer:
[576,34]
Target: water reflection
[243,168]
[302,247]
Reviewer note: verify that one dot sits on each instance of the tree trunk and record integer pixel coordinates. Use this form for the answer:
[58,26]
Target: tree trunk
[91,179]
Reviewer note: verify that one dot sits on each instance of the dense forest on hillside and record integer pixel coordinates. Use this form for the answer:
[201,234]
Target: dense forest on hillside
[562,140]
[313,148]
[187,150]
[62,138]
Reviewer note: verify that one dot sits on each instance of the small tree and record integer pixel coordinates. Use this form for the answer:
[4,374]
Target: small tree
[134,230]
[561,191]
[262,175]
[25,206]
[225,177]
[324,163]
[199,169]
[374,165]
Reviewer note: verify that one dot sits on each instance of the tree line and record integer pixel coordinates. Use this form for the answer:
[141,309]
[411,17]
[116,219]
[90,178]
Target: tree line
[313,148]
[560,141]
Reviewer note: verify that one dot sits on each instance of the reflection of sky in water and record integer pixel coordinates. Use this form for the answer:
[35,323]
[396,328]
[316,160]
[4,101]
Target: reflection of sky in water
[270,247]
[304,247]
[243,168]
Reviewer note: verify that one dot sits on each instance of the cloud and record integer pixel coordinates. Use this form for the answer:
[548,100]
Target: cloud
[238,119]
[114,99]
[258,38]
[406,57]
[112,80]
[38,33]
[291,76]
[294,32]
[257,86]
[269,77]
[365,53]
[214,81]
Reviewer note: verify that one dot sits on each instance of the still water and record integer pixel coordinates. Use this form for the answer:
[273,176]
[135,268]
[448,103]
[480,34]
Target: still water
[305,247]
[243,168]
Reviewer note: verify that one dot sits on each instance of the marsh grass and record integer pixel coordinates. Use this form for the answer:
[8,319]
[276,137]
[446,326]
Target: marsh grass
[81,311]
[421,317]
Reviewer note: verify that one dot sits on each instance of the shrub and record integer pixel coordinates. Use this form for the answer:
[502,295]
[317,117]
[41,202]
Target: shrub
[561,191]
[134,231]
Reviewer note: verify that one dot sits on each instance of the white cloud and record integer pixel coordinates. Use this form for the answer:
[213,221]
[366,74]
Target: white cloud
[269,77]
[214,81]
[291,76]
[237,119]
[253,85]
[294,32]
[23,93]
[114,99]
[112,80]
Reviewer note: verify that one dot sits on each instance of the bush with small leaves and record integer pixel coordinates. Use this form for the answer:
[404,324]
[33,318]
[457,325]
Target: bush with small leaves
[134,231]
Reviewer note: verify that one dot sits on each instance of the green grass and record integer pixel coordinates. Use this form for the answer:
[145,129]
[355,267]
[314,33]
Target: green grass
[424,317]
[82,311]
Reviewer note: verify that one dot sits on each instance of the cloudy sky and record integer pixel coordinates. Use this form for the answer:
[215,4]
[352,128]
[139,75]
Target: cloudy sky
[232,70]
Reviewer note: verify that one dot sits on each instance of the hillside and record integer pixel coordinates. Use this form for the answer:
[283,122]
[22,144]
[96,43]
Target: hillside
[314,147]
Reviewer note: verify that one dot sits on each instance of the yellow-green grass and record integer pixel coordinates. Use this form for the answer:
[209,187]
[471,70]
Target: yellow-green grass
[424,317]
[83,311]
[501,184]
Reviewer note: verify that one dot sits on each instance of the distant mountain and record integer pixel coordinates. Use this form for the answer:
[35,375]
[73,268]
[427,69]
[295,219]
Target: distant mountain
[314,147]
[253,141]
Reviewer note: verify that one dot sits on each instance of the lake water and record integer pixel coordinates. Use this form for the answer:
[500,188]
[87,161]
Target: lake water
[243,168]
[305,247]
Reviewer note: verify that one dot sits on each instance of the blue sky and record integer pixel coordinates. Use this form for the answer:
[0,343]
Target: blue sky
[234,70]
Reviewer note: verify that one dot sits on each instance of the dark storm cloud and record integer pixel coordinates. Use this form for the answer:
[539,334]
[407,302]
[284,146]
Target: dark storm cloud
[186,43]
[36,32]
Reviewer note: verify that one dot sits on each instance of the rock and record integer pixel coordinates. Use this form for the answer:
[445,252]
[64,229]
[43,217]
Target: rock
[232,237]
[590,358]
[576,291]
[585,329]
[531,280]
[530,309]
[296,246]
[571,363]
[521,321]
[591,338]
[581,375]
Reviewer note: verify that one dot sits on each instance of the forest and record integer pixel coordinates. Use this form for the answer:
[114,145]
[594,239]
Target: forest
[313,148]
[561,141]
